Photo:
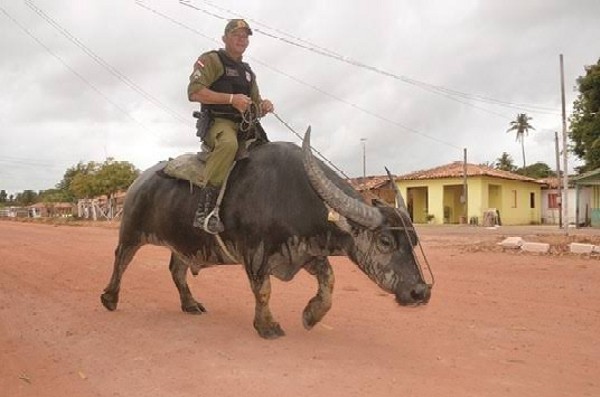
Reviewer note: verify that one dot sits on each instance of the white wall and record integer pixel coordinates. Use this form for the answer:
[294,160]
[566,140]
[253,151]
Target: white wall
[551,215]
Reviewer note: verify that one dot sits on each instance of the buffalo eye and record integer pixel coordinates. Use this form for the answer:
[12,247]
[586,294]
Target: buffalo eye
[385,243]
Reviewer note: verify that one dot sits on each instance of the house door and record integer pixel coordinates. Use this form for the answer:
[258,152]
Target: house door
[453,208]
[417,203]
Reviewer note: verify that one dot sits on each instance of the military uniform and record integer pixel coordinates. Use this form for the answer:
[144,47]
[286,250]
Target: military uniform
[219,72]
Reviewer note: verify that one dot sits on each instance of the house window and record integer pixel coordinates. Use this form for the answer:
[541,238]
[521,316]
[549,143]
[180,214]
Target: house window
[532,200]
[514,198]
[553,200]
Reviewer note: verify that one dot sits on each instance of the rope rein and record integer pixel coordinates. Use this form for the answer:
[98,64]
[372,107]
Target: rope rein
[405,228]
[315,150]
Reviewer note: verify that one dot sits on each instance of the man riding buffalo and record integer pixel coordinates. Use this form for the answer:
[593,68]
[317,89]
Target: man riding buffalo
[226,87]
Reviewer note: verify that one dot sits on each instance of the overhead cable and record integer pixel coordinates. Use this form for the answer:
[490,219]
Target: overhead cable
[72,70]
[302,82]
[99,60]
[435,89]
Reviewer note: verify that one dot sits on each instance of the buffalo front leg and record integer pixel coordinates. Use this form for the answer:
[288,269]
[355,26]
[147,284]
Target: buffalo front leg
[178,270]
[264,323]
[320,304]
[123,256]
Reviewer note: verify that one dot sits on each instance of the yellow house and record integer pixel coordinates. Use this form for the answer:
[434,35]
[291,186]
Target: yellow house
[436,195]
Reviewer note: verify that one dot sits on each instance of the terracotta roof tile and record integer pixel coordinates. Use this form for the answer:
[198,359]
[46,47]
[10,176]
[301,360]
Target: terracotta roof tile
[551,182]
[455,170]
[368,183]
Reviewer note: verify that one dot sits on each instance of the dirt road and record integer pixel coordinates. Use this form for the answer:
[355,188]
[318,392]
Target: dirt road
[498,324]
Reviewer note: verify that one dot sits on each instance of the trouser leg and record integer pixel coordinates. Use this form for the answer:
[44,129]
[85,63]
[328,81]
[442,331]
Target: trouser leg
[222,138]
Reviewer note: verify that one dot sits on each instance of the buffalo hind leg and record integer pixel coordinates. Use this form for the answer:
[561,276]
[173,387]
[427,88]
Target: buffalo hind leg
[264,323]
[320,304]
[178,270]
[123,256]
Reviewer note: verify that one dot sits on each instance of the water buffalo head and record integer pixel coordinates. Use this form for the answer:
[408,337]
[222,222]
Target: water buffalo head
[382,237]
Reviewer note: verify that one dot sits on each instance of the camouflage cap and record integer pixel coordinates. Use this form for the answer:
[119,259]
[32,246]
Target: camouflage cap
[235,24]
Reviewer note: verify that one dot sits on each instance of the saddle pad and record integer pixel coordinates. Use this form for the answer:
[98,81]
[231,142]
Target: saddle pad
[187,167]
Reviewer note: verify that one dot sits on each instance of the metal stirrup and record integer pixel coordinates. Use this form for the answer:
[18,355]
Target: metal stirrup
[214,213]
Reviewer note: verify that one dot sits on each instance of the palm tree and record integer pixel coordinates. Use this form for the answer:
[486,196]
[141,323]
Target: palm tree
[505,163]
[522,126]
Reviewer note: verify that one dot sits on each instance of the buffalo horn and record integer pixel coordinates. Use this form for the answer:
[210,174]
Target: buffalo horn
[335,197]
[399,200]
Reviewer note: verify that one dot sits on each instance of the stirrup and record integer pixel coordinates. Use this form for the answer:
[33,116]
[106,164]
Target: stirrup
[218,224]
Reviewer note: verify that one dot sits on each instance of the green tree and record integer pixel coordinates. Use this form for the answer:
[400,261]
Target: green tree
[54,196]
[27,197]
[113,176]
[585,120]
[94,179]
[3,196]
[80,189]
[538,170]
[505,163]
[82,182]
[521,126]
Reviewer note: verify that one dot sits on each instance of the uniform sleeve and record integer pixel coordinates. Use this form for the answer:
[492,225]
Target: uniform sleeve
[207,69]
[254,92]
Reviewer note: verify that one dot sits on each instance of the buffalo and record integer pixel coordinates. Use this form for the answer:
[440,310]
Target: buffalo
[283,211]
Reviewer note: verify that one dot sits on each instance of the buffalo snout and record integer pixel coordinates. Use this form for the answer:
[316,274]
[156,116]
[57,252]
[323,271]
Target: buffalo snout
[418,294]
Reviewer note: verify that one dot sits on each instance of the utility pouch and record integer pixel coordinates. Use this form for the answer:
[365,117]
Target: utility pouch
[203,124]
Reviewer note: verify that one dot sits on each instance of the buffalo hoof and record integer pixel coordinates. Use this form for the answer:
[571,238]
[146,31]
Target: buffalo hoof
[109,301]
[270,331]
[314,312]
[194,308]
[309,320]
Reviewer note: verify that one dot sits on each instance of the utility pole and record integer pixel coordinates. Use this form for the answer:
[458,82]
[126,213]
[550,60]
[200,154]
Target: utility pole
[558,179]
[565,201]
[465,195]
[364,147]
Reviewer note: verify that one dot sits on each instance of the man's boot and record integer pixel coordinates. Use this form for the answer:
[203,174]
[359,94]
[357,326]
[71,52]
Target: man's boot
[206,216]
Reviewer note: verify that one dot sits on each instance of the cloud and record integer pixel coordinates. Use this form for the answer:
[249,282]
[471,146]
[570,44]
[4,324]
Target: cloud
[500,50]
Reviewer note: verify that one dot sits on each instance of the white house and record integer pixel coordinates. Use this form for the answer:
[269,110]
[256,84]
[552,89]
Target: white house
[551,202]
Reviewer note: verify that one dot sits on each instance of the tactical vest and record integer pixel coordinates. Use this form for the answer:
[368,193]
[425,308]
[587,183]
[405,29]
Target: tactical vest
[237,78]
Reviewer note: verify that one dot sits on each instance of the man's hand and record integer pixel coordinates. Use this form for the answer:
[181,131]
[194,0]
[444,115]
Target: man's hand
[266,107]
[240,102]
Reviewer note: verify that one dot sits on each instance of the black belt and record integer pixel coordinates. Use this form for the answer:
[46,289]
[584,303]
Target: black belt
[235,117]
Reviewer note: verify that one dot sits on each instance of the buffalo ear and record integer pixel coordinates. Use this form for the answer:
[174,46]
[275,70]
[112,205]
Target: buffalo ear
[377,202]
[343,224]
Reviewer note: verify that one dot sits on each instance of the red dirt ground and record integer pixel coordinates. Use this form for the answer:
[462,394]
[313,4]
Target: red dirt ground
[498,324]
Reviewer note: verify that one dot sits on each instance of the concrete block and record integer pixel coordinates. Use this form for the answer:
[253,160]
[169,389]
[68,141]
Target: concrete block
[536,247]
[578,248]
[596,249]
[512,242]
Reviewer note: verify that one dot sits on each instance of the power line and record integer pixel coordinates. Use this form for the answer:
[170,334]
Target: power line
[439,90]
[70,69]
[26,161]
[99,60]
[344,59]
[256,22]
[302,82]
[176,22]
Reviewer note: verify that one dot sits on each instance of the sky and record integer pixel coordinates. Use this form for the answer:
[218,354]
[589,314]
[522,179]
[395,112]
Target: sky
[395,83]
